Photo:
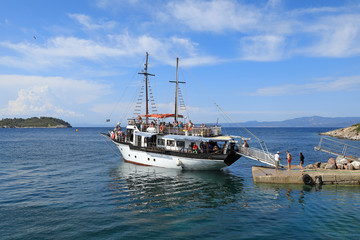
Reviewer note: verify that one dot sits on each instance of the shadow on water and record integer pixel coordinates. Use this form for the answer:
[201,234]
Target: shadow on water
[152,188]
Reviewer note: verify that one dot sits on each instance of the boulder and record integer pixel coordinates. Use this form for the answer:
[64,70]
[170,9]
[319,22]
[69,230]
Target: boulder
[310,166]
[330,166]
[341,160]
[356,165]
[340,166]
[317,164]
[323,165]
[331,161]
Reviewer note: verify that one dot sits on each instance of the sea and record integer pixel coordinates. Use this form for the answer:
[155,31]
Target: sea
[68,184]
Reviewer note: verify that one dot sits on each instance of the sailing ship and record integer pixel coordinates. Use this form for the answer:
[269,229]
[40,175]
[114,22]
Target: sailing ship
[148,141]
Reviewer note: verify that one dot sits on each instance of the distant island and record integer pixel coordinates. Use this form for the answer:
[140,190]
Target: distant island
[34,122]
[350,133]
[314,121]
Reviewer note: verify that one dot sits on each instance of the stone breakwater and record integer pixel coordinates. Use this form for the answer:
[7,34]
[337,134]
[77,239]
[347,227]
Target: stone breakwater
[308,177]
[339,163]
[349,133]
[340,172]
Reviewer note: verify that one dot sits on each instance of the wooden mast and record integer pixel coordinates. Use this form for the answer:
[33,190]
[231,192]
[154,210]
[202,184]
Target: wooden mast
[176,90]
[146,74]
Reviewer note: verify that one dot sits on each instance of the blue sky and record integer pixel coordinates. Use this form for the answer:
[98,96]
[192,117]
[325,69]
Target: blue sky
[258,60]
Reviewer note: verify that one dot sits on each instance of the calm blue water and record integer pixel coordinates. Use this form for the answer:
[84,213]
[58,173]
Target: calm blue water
[63,184]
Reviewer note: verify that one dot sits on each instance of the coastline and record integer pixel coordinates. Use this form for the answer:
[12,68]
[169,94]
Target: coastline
[348,133]
[58,126]
[34,122]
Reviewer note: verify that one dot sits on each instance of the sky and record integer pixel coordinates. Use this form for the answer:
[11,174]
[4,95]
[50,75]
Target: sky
[241,60]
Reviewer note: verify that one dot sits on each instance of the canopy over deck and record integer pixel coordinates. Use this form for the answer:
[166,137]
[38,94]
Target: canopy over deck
[165,115]
[197,138]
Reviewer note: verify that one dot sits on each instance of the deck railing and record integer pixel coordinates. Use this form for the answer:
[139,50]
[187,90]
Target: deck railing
[194,131]
[210,131]
[338,148]
[258,155]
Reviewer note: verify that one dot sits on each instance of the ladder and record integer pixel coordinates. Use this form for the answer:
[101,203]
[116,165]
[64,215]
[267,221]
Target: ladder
[338,149]
[258,155]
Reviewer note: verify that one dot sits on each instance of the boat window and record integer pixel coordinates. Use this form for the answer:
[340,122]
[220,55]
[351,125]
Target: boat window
[161,142]
[171,143]
[180,143]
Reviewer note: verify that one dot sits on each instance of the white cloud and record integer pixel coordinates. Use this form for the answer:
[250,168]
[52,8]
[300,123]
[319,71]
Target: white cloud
[337,36]
[216,15]
[63,51]
[265,30]
[350,83]
[262,48]
[34,101]
[87,22]
[54,96]
[57,51]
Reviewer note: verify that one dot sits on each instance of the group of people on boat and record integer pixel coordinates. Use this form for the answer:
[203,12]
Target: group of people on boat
[205,147]
[117,134]
[142,126]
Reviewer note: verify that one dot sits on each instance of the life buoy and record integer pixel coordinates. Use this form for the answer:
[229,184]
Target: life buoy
[308,180]
[162,128]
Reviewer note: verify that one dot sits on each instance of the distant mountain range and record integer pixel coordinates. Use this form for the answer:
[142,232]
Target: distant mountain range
[315,121]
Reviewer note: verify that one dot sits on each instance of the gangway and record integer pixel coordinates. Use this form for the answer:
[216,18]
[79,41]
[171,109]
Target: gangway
[339,149]
[258,155]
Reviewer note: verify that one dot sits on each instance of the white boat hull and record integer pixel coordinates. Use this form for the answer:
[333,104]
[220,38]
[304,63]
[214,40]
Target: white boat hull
[167,161]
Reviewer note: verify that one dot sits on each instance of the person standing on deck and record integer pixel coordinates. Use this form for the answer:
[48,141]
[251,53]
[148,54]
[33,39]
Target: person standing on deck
[289,158]
[245,146]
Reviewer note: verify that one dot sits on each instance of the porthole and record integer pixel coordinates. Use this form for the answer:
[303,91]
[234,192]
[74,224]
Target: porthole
[148,159]
[129,155]
[135,156]
[154,160]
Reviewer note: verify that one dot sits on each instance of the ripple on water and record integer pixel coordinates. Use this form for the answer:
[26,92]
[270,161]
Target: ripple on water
[62,184]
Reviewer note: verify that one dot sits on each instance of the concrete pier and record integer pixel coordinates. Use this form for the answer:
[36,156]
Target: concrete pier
[309,177]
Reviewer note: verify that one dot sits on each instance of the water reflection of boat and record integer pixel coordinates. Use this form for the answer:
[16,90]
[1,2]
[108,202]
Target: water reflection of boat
[154,187]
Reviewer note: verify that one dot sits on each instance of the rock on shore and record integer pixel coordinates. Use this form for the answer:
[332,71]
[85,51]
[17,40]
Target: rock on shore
[350,133]
[340,163]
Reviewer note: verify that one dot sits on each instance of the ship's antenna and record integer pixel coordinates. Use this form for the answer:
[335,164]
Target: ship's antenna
[176,89]
[146,74]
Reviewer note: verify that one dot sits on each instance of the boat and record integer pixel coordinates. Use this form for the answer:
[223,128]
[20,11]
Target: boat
[148,141]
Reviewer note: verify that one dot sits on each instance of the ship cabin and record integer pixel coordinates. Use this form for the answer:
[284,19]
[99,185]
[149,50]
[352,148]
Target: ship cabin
[156,135]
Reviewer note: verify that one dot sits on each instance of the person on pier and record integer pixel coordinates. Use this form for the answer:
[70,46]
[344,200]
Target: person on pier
[289,158]
[277,160]
[301,161]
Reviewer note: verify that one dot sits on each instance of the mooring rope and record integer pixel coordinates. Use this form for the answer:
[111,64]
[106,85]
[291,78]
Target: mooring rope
[110,146]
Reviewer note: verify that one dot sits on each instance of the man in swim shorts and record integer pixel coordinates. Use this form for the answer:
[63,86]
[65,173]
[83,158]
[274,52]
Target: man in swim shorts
[289,158]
